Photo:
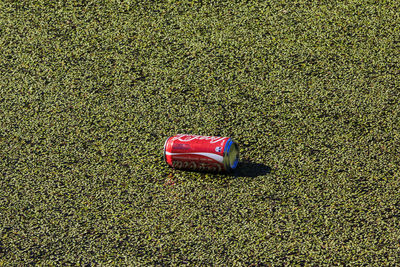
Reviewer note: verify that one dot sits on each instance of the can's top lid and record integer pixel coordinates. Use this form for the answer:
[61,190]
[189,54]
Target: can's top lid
[231,154]
[165,146]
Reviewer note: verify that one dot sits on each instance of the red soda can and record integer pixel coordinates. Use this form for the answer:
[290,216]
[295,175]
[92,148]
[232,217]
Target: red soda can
[201,153]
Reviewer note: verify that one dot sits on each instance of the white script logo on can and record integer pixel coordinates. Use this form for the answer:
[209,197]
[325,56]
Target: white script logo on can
[201,153]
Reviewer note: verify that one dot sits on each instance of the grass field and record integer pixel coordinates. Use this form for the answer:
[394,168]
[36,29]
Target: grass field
[90,90]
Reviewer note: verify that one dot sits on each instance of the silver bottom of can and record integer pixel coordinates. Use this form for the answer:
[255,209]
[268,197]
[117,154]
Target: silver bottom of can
[231,155]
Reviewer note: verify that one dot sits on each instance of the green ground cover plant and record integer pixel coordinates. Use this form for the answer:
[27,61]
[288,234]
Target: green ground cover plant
[90,90]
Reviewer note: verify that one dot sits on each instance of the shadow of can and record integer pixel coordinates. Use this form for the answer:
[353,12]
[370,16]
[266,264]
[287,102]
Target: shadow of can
[251,169]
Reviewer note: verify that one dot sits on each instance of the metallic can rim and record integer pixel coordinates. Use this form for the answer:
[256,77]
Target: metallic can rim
[225,156]
[227,150]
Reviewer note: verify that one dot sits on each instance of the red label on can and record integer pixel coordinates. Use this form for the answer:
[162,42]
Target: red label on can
[196,152]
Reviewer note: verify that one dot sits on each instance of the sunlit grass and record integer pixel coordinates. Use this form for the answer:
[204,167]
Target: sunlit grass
[90,92]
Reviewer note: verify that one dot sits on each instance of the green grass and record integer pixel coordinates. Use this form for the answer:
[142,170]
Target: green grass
[89,92]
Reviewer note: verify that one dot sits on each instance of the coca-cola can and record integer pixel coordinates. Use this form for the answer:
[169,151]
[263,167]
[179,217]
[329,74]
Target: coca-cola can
[201,153]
